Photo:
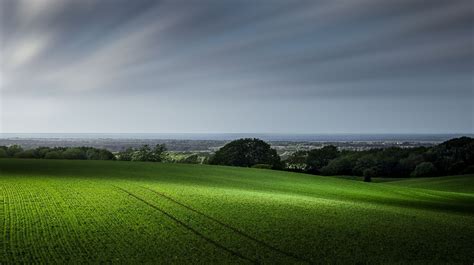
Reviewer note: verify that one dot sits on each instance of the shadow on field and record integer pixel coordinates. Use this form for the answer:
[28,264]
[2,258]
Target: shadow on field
[199,234]
[235,230]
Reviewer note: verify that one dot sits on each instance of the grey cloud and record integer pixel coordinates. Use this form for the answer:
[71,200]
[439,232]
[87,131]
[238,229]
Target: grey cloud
[295,50]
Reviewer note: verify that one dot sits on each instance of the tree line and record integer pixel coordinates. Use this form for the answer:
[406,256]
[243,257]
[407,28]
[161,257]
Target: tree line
[143,153]
[452,157]
[75,153]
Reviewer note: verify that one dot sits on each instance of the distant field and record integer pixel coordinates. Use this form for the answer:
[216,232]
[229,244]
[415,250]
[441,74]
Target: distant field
[93,211]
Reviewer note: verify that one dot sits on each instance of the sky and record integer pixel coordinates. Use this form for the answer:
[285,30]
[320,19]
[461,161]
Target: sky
[234,66]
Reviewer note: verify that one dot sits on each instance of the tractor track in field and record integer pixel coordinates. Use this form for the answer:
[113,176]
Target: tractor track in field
[196,232]
[235,230]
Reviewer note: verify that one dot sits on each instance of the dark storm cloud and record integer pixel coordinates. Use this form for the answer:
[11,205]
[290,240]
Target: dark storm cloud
[312,41]
[298,50]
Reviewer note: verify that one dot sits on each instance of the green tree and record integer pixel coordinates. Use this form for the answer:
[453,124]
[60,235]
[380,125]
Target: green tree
[106,155]
[99,154]
[25,154]
[74,153]
[40,152]
[14,149]
[408,164]
[453,156]
[246,153]
[158,153]
[144,153]
[297,161]
[3,153]
[53,155]
[318,158]
[126,155]
[366,161]
[425,169]
[342,165]
[369,173]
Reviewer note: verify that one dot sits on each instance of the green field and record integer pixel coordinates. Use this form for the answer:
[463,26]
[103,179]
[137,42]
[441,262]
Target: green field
[93,211]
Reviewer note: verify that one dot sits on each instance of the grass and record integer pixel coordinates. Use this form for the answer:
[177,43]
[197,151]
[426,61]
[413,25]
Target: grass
[107,211]
[464,183]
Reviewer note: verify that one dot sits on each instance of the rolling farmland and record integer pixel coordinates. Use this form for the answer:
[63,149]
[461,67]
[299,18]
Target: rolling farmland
[57,211]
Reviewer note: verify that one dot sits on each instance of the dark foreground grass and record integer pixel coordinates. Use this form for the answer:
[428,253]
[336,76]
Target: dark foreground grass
[92,211]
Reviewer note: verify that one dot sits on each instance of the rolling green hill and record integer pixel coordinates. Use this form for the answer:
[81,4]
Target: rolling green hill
[55,211]
[464,183]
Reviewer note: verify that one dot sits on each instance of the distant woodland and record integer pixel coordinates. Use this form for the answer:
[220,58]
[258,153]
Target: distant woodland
[452,157]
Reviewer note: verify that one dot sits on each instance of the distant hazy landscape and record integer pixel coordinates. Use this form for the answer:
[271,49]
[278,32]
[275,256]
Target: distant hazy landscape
[295,137]
[211,142]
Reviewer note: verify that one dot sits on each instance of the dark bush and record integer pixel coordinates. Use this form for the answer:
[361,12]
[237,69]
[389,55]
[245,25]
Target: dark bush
[3,153]
[262,166]
[339,166]
[453,156]
[53,155]
[469,170]
[125,155]
[74,153]
[99,154]
[40,152]
[25,154]
[425,169]
[369,174]
[366,161]
[408,164]
[318,158]
[13,150]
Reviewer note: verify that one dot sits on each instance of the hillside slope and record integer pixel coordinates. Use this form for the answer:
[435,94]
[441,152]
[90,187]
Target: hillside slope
[464,183]
[107,211]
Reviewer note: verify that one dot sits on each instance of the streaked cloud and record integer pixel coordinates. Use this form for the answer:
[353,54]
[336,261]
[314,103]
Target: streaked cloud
[208,51]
